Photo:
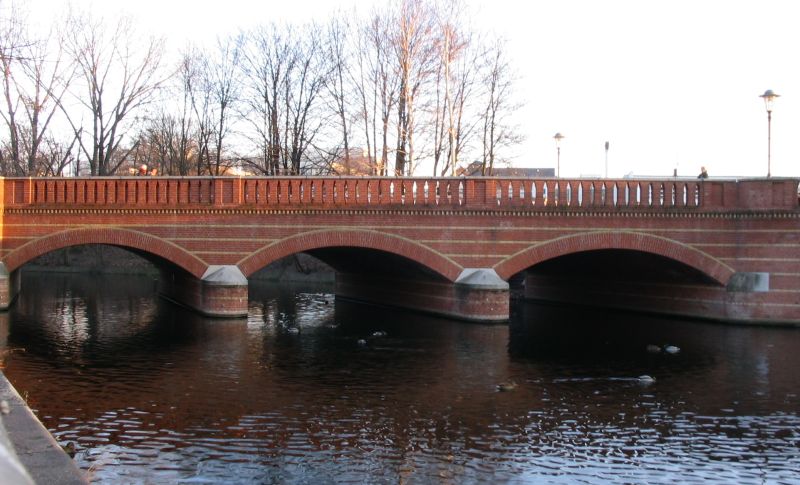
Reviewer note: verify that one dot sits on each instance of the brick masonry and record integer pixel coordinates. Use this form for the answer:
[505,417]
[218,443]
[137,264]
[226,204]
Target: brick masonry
[435,297]
[213,300]
[438,227]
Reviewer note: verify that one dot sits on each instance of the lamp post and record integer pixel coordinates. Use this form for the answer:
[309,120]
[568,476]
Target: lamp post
[558,137]
[769,99]
[607,145]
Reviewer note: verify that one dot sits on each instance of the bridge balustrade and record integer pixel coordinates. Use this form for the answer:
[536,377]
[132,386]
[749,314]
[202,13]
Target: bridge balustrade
[468,192]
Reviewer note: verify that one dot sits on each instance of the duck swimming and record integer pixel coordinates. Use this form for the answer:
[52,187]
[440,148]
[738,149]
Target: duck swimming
[507,386]
[645,379]
[69,449]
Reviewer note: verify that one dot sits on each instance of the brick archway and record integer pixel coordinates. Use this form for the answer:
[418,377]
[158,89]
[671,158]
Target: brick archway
[115,237]
[668,248]
[323,238]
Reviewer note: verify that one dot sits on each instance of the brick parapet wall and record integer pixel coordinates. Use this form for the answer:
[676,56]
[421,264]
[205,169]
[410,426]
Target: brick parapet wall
[473,193]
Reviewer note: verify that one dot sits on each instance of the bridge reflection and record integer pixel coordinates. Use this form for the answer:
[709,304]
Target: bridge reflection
[154,386]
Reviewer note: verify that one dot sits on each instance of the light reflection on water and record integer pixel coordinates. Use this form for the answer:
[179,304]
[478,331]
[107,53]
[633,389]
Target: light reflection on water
[152,393]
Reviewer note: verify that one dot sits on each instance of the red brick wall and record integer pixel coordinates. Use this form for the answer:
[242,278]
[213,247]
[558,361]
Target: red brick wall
[426,296]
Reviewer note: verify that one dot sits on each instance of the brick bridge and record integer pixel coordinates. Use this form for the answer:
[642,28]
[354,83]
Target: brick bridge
[719,249]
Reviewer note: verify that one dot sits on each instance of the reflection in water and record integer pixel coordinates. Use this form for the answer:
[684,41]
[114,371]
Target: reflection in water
[153,393]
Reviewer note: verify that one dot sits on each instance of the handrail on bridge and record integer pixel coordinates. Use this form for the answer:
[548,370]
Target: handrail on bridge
[453,192]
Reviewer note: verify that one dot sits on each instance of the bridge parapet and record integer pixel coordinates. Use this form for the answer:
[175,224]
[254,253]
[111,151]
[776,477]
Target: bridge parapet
[483,193]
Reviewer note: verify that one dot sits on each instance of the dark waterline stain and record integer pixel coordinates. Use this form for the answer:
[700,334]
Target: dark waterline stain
[307,390]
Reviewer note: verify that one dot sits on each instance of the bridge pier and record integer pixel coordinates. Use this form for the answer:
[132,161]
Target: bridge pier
[9,286]
[221,292]
[478,294]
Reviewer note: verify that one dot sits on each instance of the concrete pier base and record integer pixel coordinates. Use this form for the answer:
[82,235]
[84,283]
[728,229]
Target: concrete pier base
[477,295]
[9,286]
[221,292]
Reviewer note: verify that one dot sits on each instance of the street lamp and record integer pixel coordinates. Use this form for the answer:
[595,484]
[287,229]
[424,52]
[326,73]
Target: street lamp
[769,100]
[607,145]
[558,137]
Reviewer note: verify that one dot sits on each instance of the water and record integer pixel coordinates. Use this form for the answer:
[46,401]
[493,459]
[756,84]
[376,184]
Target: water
[151,393]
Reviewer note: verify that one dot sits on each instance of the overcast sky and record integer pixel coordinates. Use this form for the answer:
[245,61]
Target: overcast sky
[670,84]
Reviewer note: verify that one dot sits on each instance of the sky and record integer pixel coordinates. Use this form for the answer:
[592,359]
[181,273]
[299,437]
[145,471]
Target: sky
[671,85]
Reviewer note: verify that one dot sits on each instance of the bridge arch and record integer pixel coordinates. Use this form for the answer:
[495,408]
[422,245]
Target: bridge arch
[112,236]
[353,238]
[635,241]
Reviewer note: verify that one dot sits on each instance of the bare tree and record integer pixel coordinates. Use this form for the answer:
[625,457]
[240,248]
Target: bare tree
[462,120]
[285,77]
[120,74]
[267,59]
[499,104]
[376,88]
[12,43]
[57,157]
[49,76]
[337,90]
[220,69]
[165,139]
[164,144]
[199,96]
[414,53]
[303,90]
[452,45]
[183,147]
[450,50]
[35,78]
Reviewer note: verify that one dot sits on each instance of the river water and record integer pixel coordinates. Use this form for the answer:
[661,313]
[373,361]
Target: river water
[308,390]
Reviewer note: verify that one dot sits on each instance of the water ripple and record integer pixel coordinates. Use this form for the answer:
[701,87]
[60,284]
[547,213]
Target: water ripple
[153,394]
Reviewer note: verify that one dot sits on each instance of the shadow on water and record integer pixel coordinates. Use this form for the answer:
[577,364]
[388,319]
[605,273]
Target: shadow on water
[744,365]
[310,389]
[603,340]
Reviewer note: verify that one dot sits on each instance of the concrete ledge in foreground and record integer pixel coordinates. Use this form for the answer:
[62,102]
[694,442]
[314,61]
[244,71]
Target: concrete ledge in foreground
[35,448]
